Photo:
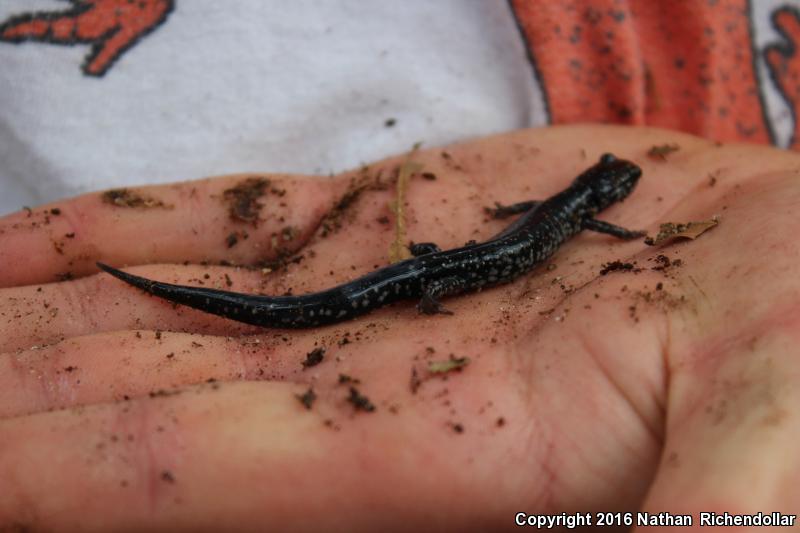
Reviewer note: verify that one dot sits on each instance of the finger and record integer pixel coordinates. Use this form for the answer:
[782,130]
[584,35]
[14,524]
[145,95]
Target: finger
[40,315]
[123,365]
[241,219]
[110,366]
[127,364]
[245,455]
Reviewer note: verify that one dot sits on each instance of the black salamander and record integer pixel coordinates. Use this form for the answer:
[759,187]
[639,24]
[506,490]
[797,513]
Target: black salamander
[432,273]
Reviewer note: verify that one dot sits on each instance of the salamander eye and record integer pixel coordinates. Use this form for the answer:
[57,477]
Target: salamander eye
[607,158]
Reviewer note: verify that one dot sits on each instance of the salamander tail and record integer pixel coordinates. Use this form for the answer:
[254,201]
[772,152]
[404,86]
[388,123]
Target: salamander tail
[218,302]
[139,282]
[265,311]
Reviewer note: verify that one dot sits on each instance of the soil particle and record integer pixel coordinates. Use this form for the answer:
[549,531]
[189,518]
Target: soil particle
[131,198]
[663,263]
[345,379]
[314,357]
[359,401]
[242,199]
[163,393]
[617,265]
[234,237]
[307,398]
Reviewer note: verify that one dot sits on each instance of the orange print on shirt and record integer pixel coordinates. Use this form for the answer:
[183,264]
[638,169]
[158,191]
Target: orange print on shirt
[110,26]
[679,64]
[783,60]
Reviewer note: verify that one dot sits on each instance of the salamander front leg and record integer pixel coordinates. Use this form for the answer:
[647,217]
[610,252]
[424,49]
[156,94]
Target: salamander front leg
[429,304]
[599,226]
[423,248]
[500,211]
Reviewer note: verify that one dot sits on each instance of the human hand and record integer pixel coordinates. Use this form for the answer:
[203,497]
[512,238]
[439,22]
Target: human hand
[583,392]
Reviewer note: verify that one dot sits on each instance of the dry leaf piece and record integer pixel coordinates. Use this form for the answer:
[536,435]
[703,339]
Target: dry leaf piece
[442,367]
[687,230]
[661,151]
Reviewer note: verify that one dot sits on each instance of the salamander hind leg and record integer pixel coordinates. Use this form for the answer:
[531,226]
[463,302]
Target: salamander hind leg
[430,304]
[500,211]
[423,248]
[599,226]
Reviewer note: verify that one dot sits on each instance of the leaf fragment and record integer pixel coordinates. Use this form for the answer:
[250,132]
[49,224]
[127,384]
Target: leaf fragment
[681,230]
[450,365]
[661,151]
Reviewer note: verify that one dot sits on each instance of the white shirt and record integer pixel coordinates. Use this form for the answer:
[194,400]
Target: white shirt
[301,86]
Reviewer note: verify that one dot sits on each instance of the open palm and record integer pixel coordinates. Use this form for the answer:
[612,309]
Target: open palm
[667,384]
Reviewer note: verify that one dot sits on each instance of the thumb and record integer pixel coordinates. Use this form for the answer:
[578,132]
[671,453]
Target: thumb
[733,429]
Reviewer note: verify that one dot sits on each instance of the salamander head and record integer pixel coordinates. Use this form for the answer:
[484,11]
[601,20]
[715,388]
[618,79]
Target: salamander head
[611,179]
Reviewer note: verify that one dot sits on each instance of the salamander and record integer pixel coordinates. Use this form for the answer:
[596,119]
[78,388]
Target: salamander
[431,273]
